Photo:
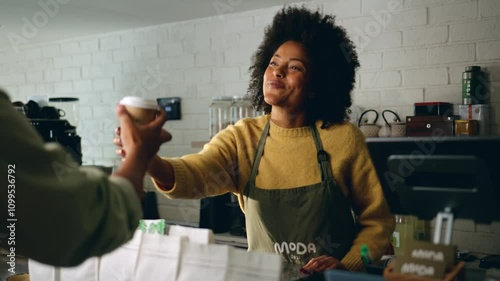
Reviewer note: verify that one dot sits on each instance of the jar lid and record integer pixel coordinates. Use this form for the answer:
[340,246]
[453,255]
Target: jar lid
[473,68]
[63,99]
[241,98]
[222,98]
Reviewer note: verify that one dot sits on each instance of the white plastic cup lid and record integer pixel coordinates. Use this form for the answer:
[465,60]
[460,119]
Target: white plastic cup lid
[139,102]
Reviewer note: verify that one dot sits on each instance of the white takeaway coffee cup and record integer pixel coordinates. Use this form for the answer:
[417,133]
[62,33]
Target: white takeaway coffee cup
[140,109]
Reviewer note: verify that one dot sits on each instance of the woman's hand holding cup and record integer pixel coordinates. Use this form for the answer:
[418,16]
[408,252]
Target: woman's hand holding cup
[140,133]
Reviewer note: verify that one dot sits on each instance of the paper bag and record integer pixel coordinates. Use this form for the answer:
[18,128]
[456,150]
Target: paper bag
[253,266]
[120,265]
[203,262]
[41,272]
[196,235]
[87,271]
[159,258]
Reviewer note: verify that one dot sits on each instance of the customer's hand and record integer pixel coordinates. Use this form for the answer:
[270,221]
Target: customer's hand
[323,263]
[141,141]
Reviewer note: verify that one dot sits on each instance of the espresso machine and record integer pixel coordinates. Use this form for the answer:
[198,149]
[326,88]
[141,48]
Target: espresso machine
[47,120]
[61,131]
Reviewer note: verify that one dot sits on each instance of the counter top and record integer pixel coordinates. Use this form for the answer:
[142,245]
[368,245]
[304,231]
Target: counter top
[232,240]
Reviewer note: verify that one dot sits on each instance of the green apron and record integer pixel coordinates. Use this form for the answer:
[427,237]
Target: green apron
[299,223]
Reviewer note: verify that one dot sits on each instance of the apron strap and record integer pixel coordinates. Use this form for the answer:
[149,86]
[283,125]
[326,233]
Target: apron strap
[258,154]
[323,157]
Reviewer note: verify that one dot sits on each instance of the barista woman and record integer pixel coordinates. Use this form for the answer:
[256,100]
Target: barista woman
[299,170]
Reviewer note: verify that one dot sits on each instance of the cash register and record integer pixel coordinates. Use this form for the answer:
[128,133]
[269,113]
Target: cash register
[440,177]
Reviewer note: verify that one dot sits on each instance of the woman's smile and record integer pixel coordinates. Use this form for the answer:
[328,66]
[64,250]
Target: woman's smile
[275,84]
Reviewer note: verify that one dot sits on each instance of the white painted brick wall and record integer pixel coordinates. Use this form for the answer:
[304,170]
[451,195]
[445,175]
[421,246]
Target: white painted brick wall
[13,79]
[489,8]
[451,54]
[45,88]
[451,94]
[41,64]
[370,61]
[70,47]
[405,58]
[199,75]
[238,25]
[380,79]
[209,58]
[83,59]
[404,19]
[26,90]
[425,36]
[195,45]
[146,52]
[63,88]
[208,28]
[133,38]
[34,76]
[264,18]
[171,49]
[386,40]
[73,73]
[225,74]
[400,97]
[410,51]
[33,53]
[82,86]
[90,45]
[224,42]
[370,6]
[425,77]
[105,57]
[156,34]
[480,30]
[51,51]
[53,75]
[488,50]
[123,55]
[102,84]
[183,30]
[453,12]
[366,99]
[343,9]
[62,62]
[109,43]
[421,3]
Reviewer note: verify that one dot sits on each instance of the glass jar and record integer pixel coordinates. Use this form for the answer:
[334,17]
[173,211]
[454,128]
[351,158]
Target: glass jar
[408,228]
[219,114]
[69,107]
[403,234]
[241,108]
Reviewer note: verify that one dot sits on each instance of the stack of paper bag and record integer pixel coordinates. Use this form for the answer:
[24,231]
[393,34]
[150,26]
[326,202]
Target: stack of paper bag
[185,254]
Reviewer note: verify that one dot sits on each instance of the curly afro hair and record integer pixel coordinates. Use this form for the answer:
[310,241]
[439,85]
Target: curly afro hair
[333,59]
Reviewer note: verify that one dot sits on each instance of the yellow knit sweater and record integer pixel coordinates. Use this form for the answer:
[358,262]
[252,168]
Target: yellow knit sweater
[289,160]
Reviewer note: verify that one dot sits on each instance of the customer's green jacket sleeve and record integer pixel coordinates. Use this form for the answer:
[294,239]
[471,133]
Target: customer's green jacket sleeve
[60,213]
